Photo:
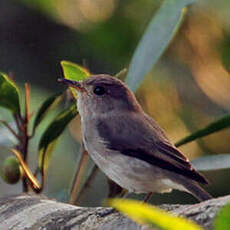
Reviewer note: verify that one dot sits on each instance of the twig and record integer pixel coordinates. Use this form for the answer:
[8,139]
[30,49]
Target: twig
[78,176]
[10,129]
[18,120]
[25,133]
[87,183]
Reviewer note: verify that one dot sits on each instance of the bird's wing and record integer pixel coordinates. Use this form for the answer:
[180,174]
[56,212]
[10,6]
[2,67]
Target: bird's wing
[146,141]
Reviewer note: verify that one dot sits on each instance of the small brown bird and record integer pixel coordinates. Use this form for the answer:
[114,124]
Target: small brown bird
[127,144]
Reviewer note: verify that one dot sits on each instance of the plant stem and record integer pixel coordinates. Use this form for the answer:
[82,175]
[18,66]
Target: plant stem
[78,176]
[87,183]
[18,122]
[25,144]
[10,129]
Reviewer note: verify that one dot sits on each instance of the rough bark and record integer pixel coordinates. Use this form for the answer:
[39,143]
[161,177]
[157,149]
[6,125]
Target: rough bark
[37,212]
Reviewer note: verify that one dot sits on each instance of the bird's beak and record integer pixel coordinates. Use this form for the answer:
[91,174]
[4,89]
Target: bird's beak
[74,84]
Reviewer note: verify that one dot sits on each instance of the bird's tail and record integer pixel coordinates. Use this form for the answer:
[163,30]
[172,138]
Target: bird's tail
[196,190]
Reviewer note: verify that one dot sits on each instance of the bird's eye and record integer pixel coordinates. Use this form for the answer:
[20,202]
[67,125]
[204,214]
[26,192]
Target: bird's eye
[99,90]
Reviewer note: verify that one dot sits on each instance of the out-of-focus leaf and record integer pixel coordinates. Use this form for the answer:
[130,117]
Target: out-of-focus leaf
[122,74]
[9,94]
[222,220]
[211,128]
[210,163]
[73,71]
[51,134]
[147,214]
[44,6]
[155,40]
[47,105]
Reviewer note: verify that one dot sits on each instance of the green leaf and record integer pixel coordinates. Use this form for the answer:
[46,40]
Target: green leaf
[210,163]
[9,94]
[222,220]
[155,40]
[52,133]
[211,128]
[73,71]
[47,105]
[122,74]
[146,214]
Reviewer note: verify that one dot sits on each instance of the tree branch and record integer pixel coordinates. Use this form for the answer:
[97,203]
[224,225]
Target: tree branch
[37,212]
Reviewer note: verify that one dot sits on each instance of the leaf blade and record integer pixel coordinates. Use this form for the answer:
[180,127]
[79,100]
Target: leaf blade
[47,105]
[155,40]
[213,162]
[222,220]
[147,214]
[52,133]
[73,71]
[213,127]
[9,94]
[122,74]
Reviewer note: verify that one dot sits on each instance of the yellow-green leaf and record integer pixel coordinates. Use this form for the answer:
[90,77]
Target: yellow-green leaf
[52,133]
[146,214]
[73,71]
[122,74]
[222,220]
[9,94]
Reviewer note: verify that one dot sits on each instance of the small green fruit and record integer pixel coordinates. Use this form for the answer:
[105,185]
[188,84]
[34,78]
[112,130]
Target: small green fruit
[11,171]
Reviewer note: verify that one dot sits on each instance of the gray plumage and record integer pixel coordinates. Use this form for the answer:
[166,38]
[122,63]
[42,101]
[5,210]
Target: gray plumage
[127,144]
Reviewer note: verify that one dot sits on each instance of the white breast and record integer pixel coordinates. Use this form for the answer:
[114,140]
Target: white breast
[130,173]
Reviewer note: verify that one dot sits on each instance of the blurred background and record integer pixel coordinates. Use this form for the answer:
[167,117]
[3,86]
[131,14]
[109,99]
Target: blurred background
[186,90]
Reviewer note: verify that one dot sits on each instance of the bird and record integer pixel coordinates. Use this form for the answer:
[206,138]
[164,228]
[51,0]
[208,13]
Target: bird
[127,144]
